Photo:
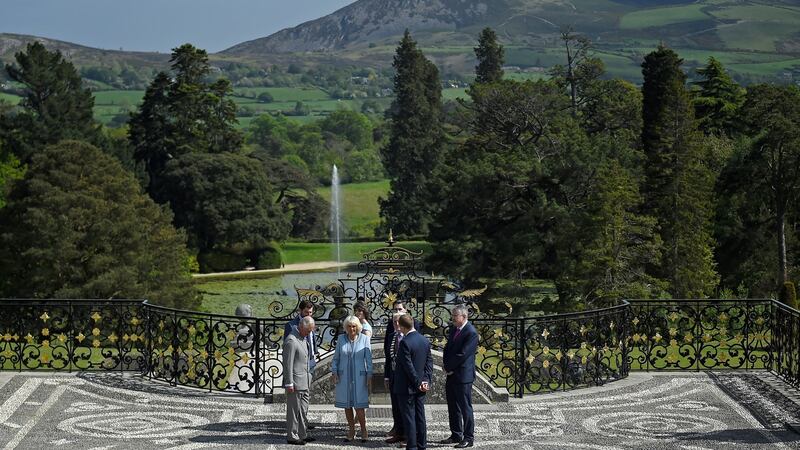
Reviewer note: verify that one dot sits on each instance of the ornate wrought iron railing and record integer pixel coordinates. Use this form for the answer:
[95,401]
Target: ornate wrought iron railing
[785,343]
[530,355]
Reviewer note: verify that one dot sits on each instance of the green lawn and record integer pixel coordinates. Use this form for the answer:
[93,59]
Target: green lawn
[663,16]
[360,205]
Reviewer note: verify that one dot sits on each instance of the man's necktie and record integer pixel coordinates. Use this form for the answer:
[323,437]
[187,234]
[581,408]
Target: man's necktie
[458,331]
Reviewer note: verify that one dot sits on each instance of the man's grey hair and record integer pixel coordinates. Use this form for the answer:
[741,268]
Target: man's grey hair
[397,315]
[306,322]
[461,310]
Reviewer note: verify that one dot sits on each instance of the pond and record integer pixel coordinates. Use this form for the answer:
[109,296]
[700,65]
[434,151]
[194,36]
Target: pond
[535,297]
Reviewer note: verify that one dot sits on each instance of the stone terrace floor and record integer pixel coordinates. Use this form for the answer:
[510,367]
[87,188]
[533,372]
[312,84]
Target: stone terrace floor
[740,410]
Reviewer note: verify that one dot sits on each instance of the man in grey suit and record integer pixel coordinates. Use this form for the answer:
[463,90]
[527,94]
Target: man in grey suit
[296,381]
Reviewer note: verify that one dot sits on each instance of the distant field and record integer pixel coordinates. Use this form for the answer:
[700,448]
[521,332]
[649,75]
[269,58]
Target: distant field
[525,76]
[757,35]
[10,98]
[118,97]
[360,205]
[284,94]
[454,93]
[108,104]
[658,17]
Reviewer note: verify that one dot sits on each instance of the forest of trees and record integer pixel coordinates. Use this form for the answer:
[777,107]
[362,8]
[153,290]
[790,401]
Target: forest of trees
[611,190]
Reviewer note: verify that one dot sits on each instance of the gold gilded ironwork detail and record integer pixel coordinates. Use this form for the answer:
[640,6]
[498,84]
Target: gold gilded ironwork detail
[96,316]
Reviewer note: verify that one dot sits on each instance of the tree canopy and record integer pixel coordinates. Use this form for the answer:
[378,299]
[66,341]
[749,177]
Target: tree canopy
[78,226]
[222,201]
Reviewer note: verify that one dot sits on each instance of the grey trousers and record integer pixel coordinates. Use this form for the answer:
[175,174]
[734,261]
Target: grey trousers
[296,415]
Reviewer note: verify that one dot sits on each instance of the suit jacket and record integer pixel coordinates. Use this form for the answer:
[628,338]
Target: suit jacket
[387,338]
[295,362]
[390,353]
[291,326]
[459,354]
[414,364]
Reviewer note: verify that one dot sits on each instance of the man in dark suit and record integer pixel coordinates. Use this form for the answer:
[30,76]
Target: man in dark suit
[398,306]
[459,365]
[412,378]
[397,433]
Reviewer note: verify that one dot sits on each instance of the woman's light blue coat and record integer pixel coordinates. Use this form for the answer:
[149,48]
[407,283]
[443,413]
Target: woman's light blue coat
[352,362]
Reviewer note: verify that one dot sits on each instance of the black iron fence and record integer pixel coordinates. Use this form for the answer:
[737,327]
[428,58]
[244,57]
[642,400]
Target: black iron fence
[548,353]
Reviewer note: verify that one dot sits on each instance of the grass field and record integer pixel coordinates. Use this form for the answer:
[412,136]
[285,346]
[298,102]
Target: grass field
[663,16]
[282,94]
[9,98]
[756,35]
[360,205]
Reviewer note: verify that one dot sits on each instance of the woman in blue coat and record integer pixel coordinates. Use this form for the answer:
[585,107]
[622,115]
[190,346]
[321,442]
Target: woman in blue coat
[352,374]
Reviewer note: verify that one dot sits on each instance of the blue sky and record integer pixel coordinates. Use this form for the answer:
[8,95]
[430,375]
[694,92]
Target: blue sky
[158,25]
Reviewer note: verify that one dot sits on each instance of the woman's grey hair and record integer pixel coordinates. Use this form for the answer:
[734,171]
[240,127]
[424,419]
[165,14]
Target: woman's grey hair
[351,320]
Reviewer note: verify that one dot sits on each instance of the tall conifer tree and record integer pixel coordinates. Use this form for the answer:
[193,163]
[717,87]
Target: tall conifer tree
[55,105]
[491,57]
[678,184]
[415,142]
[718,100]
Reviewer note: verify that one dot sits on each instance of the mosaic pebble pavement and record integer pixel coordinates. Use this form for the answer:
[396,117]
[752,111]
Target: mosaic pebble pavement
[691,411]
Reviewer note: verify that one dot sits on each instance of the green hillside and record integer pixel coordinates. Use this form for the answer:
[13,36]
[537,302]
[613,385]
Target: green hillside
[360,205]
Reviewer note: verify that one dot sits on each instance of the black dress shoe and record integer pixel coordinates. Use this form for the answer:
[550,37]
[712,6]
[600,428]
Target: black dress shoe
[464,444]
[450,440]
[295,442]
[309,439]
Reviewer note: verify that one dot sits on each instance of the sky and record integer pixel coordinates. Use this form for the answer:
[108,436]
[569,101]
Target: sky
[158,25]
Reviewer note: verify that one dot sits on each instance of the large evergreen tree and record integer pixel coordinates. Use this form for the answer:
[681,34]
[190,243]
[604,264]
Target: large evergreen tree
[55,105]
[612,243]
[678,185]
[416,139]
[183,114]
[718,99]
[491,57]
[78,226]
